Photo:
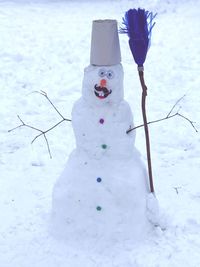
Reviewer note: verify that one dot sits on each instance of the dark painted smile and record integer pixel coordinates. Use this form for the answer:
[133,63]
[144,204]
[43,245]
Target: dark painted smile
[101,92]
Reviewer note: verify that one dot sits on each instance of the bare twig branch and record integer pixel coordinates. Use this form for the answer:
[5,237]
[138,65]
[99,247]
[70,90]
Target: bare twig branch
[48,145]
[44,132]
[46,96]
[165,118]
[23,124]
[178,101]
[169,116]
[176,189]
[191,122]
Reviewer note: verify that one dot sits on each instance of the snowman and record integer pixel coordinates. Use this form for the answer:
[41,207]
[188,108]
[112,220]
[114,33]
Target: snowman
[103,190]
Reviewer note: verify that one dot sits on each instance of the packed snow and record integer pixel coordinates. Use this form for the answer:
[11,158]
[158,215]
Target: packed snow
[103,192]
[45,45]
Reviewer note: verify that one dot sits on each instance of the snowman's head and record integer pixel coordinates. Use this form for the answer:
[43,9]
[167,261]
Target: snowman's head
[103,84]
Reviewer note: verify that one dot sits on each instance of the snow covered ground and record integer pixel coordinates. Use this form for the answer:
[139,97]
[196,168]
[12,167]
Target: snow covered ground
[45,45]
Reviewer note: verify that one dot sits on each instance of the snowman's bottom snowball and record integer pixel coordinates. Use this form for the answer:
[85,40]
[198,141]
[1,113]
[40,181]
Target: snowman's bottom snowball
[101,199]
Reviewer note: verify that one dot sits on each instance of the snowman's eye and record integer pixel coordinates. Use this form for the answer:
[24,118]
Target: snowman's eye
[110,74]
[102,72]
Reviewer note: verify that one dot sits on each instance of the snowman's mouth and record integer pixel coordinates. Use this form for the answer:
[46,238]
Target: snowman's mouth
[101,92]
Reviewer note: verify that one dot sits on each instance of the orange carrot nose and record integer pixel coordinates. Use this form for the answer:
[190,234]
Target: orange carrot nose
[103,83]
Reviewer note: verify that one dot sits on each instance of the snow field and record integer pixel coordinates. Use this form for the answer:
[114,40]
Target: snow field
[45,46]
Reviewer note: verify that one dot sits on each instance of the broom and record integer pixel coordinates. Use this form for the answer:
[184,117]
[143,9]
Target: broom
[138,24]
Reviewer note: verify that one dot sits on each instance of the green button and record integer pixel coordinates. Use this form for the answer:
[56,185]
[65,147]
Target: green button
[104,146]
[98,208]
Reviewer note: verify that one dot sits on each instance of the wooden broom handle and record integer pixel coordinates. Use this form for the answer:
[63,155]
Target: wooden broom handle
[144,94]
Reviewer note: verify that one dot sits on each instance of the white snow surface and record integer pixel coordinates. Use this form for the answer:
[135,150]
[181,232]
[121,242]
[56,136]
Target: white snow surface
[45,45]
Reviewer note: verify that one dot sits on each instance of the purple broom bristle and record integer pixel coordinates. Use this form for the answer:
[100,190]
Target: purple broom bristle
[138,24]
